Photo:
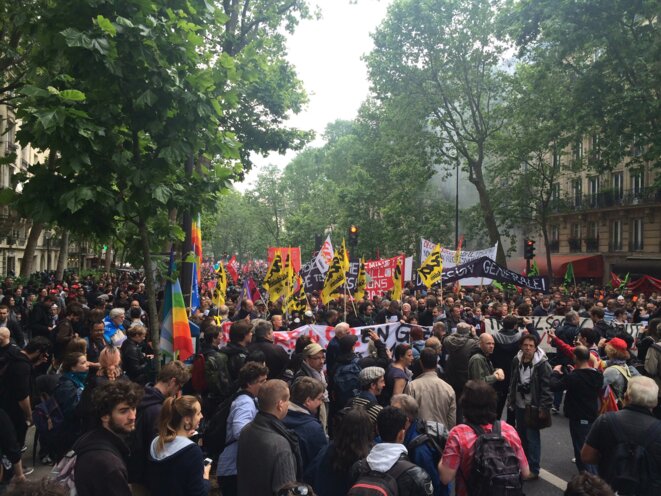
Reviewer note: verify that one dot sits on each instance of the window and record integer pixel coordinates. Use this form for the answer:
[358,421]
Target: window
[556,159]
[555,232]
[555,192]
[577,191]
[576,231]
[11,136]
[578,149]
[618,185]
[592,239]
[637,184]
[593,230]
[637,235]
[636,149]
[616,235]
[593,190]
[596,152]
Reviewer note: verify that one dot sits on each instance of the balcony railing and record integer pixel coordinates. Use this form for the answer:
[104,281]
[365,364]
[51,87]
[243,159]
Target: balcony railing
[554,245]
[592,245]
[575,244]
[607,199]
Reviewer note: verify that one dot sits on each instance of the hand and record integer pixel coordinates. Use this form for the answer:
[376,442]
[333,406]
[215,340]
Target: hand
[551,333]
[207,471]
[499,374]
[373,336]
[602,343]
[526,321]
[557,368]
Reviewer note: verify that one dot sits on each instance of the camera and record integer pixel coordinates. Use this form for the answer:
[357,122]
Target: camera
[523,388]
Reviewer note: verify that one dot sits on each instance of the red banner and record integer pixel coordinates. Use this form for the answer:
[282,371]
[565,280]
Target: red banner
[293,253]
[379,275]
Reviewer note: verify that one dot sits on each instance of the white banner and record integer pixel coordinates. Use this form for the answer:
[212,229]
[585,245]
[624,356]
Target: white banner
[392,334]
[427,246]
[543,324]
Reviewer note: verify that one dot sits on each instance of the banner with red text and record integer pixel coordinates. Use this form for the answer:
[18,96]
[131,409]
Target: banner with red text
[292,252]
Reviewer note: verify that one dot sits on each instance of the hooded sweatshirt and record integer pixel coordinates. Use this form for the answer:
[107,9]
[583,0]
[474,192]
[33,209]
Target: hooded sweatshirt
[384,455]
[311,436]
[178,469]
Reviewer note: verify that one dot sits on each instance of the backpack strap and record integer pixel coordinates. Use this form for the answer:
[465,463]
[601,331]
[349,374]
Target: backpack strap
[400,466]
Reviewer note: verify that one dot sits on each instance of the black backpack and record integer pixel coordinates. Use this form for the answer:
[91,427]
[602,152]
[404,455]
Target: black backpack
[433,434]
[373,483]
[496,470]
[631,469]
[346,382]
[215,432]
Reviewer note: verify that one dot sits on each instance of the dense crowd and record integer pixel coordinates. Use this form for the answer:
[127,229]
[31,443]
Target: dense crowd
[416,418]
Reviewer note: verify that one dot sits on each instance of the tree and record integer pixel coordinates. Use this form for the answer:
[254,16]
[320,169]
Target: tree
[443,54]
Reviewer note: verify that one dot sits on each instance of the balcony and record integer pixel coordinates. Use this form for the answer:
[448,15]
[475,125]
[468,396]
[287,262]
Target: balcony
[575,245]
[606,199]
[592,245]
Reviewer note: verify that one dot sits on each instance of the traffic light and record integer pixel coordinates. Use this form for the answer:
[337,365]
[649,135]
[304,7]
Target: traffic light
[529,249]
[353,235]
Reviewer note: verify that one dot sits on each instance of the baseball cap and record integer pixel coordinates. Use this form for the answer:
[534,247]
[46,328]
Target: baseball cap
[312,349]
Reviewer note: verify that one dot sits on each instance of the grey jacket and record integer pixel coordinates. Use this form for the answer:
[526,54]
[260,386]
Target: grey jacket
[459,347]
[540,383]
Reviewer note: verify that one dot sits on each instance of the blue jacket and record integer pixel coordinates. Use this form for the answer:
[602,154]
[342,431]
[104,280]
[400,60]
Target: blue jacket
[424,456]
[311,436]
[177,470]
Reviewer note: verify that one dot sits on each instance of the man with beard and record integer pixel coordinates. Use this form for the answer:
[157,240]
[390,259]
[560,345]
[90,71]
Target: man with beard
[103,468]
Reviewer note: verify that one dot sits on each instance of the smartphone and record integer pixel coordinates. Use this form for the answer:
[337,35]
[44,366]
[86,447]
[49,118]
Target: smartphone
[365,333]
[207,461]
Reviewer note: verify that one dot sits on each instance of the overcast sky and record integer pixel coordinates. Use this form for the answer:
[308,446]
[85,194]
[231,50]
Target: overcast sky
[327,56]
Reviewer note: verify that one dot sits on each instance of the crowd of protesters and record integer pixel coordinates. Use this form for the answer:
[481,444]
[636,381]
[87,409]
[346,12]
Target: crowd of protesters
[248,417]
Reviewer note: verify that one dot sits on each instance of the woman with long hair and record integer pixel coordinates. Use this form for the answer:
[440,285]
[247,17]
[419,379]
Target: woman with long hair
[330,472]
[175,463]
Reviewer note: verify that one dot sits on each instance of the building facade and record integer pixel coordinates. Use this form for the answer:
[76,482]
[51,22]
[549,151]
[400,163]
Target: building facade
[615,215]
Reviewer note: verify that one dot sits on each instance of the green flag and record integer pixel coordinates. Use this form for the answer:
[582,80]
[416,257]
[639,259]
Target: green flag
[569,275]
[624,283]
[496,284]
[534,270]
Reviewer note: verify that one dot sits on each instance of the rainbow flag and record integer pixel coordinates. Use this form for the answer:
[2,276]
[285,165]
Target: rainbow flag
[196,238]
[176,338]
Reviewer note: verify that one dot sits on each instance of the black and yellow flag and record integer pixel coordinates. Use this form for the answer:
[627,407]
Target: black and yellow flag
[276,278]
[397,281]
[361,282]
[335,278]
[431,270]
[296,301]
[220,290]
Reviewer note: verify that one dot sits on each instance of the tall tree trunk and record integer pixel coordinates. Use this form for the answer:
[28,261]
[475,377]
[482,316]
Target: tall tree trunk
[151,294]
[63,257]
[108,260]
[487,212]
[27,267]
[549,267]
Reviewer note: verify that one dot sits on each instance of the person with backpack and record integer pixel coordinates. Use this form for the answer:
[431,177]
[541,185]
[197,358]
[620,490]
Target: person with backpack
[344,375]
[387,470]
[626,444]
[617,372]
[483,455]
[229,362]
[171,379]
[205,374]
[424,440]
[242,410]
[102,470]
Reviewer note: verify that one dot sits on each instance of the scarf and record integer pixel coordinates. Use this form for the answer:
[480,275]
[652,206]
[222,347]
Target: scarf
[316,375]
[78,378]
[291,437]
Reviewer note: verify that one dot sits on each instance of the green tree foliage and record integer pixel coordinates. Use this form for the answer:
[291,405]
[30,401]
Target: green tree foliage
[443,55]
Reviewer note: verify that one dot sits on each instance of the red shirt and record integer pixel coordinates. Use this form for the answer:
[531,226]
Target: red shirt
[460,448]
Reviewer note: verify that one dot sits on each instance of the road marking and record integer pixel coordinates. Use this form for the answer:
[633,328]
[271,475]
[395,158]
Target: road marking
[552,479]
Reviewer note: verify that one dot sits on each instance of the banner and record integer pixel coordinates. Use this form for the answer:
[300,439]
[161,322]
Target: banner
[543,324]
[379,275]
[486,267]
[392,334]
[293,252]
[449,256]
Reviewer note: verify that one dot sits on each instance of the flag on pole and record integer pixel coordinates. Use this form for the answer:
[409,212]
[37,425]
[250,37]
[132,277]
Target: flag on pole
[196,238]
[344,257]
[534,270]
[276,277]
[361,282]
[624,283]
[220,290]
[296,302]
[335,279]
[194,290]
[615,280]
[176,338]
[431,270]
[569,274]
[397,281]
[457,260]
[233,269]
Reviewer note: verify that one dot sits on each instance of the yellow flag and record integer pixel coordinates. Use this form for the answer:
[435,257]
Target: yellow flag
[397,281]
[276,279]
[432,268]
[335,279]
[344,257]
[221,286]
[361,282]
[296,302]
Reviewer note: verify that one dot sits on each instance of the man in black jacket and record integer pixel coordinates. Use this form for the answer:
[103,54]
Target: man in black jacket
[171,379]
[276,357]
[102,469]
[389,456]
[583,386]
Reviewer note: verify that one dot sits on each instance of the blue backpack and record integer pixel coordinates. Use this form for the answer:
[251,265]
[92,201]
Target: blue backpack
[346,382]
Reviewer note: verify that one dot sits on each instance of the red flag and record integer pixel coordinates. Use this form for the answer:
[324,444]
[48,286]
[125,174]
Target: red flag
[616,282]
[233,269]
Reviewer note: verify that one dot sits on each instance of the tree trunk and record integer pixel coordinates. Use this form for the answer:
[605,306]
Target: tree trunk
[151,294]
[63,257]
[27,267]
[549,267]
[108,259]
[488,213]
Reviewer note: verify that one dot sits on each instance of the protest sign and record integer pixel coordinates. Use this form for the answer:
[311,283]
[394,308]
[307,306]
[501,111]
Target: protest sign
[448,257]
[379,275]
[486,267]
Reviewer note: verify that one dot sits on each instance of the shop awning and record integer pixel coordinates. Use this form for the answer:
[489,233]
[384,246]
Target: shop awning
[591,266]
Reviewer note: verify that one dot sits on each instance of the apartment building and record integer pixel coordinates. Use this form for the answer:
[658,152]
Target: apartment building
[606,222]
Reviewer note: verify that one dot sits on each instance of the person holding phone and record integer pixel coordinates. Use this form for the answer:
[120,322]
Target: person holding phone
[175,463]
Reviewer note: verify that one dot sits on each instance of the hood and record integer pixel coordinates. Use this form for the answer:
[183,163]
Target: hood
[384,455]
[298,417]
[538,357]
[170,449]
[507,337]
[151,397]
[591,377]
[456,341]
